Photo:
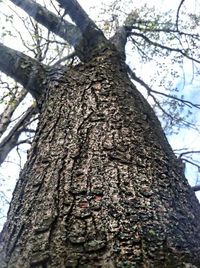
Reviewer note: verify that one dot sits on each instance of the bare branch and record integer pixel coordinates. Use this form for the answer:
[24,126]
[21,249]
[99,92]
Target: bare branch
[162,29]
[70,56]
[191,162]
[93,37]
[178,11]
[26,141]
[196,188]
[171,49]
[78,15]
[5,117]
[149,90]
[53,23]
[25,70]
[189,152]
[119,40]
[10,141]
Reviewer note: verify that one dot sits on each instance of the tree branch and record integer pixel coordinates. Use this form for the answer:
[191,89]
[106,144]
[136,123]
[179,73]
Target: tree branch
[189,152]
[196,188]
[13,103]
[25,70]
[78,15]
[53,23]
[119,39]
[171,49]
[93,37]
[178,11]
[191,162]
[10,141]
[162,29]
[70,56]
[149,90]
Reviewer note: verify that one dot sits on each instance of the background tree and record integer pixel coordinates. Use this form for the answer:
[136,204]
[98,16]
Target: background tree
[98,55]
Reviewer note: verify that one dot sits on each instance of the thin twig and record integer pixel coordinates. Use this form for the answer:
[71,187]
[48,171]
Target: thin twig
[178,11]
[180,51]
[149,90]
[189,152]
[191,162]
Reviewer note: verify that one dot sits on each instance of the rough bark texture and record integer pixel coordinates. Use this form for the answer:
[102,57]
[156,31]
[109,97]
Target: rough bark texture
[101,187]
[25,70]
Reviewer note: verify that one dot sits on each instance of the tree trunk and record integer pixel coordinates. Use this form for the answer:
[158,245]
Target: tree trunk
[101,187]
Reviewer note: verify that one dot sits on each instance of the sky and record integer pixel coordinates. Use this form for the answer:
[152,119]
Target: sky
[187,138]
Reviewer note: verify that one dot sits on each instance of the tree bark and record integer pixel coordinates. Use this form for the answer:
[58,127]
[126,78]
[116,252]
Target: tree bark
[23,69]
[101,187]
